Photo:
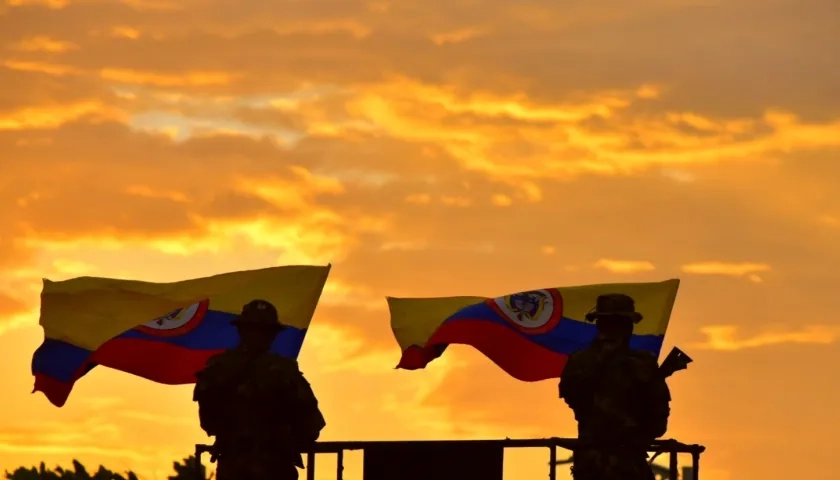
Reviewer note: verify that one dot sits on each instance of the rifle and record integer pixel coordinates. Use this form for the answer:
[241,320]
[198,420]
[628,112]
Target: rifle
[199,470]
[675,361]
[213,450]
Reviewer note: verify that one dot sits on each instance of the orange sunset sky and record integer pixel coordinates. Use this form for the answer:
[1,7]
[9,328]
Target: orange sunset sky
[433,148]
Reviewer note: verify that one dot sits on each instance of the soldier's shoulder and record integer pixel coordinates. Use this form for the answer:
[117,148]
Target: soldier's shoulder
[218,364]
[580,362]
[221,359]
[583,355]
[643,358]
[278,365]
[642,363]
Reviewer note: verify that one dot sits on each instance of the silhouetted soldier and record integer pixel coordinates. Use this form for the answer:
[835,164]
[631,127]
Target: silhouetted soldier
[619,397]
[257,404]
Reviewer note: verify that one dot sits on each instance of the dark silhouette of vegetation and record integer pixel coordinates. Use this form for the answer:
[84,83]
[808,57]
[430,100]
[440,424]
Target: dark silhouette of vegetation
[79,472]
[184,470]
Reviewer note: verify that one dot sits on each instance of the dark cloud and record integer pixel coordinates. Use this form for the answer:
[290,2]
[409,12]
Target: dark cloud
[733,59]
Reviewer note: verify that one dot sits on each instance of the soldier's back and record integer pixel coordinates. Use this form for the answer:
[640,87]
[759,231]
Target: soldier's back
[608,389]
[270,401]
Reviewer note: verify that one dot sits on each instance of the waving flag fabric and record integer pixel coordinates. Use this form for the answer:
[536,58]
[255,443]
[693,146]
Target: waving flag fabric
[529,334]
[164,332]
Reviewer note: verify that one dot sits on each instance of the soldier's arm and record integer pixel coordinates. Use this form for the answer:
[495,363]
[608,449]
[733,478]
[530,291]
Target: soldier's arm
[658,399]
[211,399]
[574,387]
[310,420]
[659,407]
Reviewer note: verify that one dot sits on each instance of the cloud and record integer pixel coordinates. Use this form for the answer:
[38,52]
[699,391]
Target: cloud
[10,305]
[22,319]
[73,268]
[456,36]
[43,44]
[140,205]
[624,266]
[168,420]
[748,270]
[436,148]
[725,337]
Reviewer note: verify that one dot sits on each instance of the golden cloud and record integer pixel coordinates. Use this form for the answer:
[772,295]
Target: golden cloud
[152,5]
[456,36]
[624,266]
[743,269]
[10,305]
[49,117]
[725,337]
[434,149]
[41,67]
[125,32]
[186,79]
[42,43]
[53,4]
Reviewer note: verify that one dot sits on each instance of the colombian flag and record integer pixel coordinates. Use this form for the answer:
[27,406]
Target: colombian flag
[529,334]
[164,332]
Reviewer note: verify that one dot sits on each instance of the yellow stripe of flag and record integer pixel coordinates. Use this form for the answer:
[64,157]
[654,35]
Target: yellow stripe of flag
[89,311]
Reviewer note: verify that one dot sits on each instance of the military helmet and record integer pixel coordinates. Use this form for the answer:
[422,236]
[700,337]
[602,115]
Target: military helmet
[258,313]
[614,305]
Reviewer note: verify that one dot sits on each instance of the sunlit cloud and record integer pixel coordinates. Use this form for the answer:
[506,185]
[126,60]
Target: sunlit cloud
[348,26]
[294,193]
[125,32]
[10,305]
[53,4]
[501,200]
[726,338]
[744,269]
[66,266]
[19,320]
[456,36]
[149,192]
[51,117]
[43,44]
[186,79]
[455,201]
[424,149]
[152,5]
[42,67]
[419,198]
[624,266]
[338,292]
[403,246]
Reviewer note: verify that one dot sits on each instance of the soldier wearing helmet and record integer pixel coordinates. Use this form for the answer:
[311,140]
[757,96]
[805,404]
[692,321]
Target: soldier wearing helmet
[257,404]
[620,399]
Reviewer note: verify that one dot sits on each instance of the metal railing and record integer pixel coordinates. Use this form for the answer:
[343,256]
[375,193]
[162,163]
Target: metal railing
[671,447]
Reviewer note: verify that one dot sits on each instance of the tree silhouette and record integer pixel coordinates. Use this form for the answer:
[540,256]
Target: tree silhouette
[79,472]
[185,470]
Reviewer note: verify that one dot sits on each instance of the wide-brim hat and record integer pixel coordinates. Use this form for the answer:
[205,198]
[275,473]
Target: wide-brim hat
[258,314]
[614,305]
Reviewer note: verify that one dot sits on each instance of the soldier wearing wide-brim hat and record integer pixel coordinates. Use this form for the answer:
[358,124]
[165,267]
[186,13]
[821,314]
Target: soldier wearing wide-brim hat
[620,401]
[614,306]
[238,394]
